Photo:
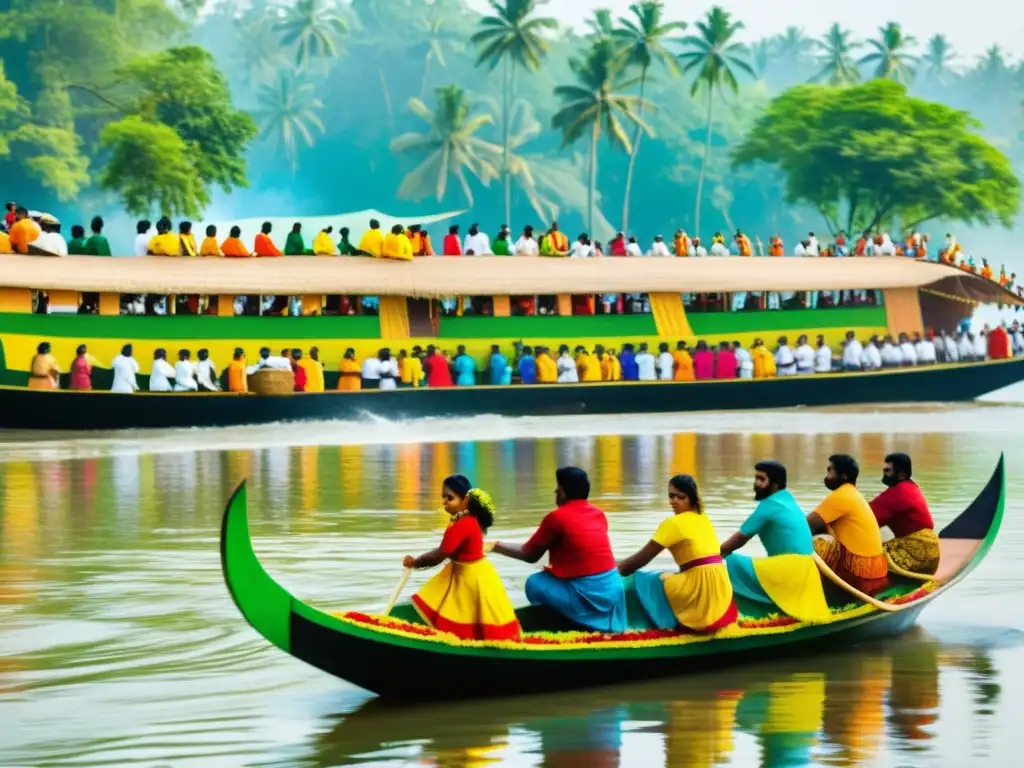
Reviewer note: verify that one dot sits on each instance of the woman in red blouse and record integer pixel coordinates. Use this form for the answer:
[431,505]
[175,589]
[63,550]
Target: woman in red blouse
[467,598]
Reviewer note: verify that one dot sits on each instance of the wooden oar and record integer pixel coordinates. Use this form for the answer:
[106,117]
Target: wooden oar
[864,598]
[906,574]
[406,573]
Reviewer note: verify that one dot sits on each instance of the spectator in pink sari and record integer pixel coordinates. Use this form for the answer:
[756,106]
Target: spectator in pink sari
[725,365]
[703,362]
[81,371]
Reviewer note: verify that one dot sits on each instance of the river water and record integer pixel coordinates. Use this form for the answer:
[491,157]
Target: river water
[120,646]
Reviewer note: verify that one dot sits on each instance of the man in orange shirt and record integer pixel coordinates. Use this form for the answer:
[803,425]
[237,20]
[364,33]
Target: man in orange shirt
[681,243]
[743,244]
[986,270]
[23,231]
[559,242]
[233,247]
[683,368]
[264,245]
[5,243]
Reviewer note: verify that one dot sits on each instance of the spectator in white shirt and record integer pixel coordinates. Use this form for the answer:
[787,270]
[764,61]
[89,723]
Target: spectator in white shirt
[950,354]
[966,346]
[1017,338]
[566,366]
[801,249]
[387,369]
[871,359]
[891,355]
[718,247]
[852,351]
[185,373]
[666,363]
[162,373]
[268,360]
[371,373]
[907,351]
[981,344]
[581,249]
[812,245]
[645,364]
[822,356]
[526,245]
[696,249]
[125,369]
[804,356]
[632,249]
[49,239]
[925,349]
[658,247]
[142,238]
[476,241]
[886,248]
[206,372]
[744,361]
[785,363]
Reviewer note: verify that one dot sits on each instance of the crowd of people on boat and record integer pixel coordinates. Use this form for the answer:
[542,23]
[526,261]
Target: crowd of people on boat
[435,367]
[585,584]
[23,229]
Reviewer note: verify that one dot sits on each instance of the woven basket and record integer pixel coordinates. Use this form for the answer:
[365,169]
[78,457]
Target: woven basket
[272,381]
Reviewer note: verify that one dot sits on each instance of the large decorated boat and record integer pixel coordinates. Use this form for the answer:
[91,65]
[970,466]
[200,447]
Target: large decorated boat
[394,655]
[475,302]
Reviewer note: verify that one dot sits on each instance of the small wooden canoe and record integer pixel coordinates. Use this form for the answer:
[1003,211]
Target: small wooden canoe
[396,657]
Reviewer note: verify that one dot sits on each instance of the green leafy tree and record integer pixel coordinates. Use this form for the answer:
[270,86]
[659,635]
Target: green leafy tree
[598,102]
[151,166]
[713,56]
[891,57]
[451,145]
[867,153]
[600,24]
[937,61]
[313,27]
[512,36]
[288,114]
[642,38]
[835,57]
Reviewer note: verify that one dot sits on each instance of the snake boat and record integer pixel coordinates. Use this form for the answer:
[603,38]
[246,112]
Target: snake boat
[398,657]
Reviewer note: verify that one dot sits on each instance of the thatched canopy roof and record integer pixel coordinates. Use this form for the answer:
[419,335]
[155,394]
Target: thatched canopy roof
[487,275]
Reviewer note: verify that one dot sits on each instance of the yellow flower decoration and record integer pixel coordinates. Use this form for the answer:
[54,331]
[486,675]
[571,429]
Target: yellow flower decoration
[483,498]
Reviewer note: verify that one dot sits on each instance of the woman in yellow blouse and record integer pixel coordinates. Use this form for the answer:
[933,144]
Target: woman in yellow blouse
[350,380]
[699,596]
[44,373]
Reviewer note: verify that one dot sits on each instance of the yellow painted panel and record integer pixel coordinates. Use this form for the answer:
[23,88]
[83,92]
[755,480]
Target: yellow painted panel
[394,317]
[564,305]
[225,305]
[312,305]
[110,303]
[670,315]
[16,300]
[502,306]
[903,311]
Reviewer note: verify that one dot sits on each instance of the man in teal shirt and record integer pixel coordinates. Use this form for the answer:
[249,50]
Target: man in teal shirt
[97,245]
[499,365]
[465,368]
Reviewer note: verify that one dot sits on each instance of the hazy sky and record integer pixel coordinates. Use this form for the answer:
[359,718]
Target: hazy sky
[971,26]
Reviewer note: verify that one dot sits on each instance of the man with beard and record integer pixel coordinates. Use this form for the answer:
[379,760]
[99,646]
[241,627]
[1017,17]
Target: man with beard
[902,507]
[787,579]
[854,551]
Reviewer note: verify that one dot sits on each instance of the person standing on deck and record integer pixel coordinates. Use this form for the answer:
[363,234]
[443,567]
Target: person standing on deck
[372,241]
[9,216]
[50,240]
[908,354]
[233,247]
[726,366]
[744,361]
[627,361]
[162,373]
[497,365]
[209,246]
[890,354]
[854,550]
[97,244]
[345,247]
[764,360]
[44,372]
[588,367]
[785,362]
[527,366]
[125,371]
[185,373]
[23,230]
[500,247]
[658,247]
[998,344]
[264,246]
[871,359]
[567,373]
[925,349]
[349,378]
[682,368]
[76,245]
[81,370]
[206,372]
[164,242]
[323,243]
[555,242]
[582,580]
[526,245]
[646,366]
[803,355]
[295,244]
[186,239]
[787,579]
[903,509]
[371,373]
[314,370]
[436,368]
[142,237]
[852,352]
[822,356]
[666,363]
[450,244]
[397,245]
[464,368]
[237,379]
[633,248]
[476,241]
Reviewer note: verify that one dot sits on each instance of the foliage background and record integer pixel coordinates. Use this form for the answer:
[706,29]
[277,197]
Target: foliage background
[328,86]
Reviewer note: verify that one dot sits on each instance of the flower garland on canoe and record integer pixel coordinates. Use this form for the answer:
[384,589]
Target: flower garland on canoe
[651,638]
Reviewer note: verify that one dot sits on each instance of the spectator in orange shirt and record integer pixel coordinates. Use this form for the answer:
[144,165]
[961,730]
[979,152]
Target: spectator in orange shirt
[23,231]
[264,245]
[233,246]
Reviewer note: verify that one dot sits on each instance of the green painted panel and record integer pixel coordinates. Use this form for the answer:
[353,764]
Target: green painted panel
[183,327]
[577,326]
[716,323]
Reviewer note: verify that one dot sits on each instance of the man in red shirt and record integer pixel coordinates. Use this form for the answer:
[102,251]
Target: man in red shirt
[581,581]
[902,507]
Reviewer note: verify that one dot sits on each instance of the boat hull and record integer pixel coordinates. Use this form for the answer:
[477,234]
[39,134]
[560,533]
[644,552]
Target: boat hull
[22,408]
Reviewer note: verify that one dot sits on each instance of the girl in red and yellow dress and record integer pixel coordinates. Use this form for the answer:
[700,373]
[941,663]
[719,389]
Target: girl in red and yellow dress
[467,598]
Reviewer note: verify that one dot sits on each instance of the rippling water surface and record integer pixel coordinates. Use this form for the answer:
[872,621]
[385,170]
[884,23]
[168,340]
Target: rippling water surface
[120,646]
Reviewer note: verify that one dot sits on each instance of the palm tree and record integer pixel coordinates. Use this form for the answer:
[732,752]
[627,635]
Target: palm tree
[600,24]
[761,53]
[992,72]
[891,58]
[835,57]
[315,26]
[596,103]
[288,113]
[513,37]
[436,38]
[642,42]
[936,64]
[451,145]
[794,46]
[713,56]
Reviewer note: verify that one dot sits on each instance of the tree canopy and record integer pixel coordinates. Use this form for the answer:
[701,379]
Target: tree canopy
[864,154]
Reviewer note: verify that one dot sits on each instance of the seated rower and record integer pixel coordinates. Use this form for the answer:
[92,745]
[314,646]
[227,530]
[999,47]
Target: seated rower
[854,552]
[466,598]
[581,582]
[787,579]
[698,596]
[902,507]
